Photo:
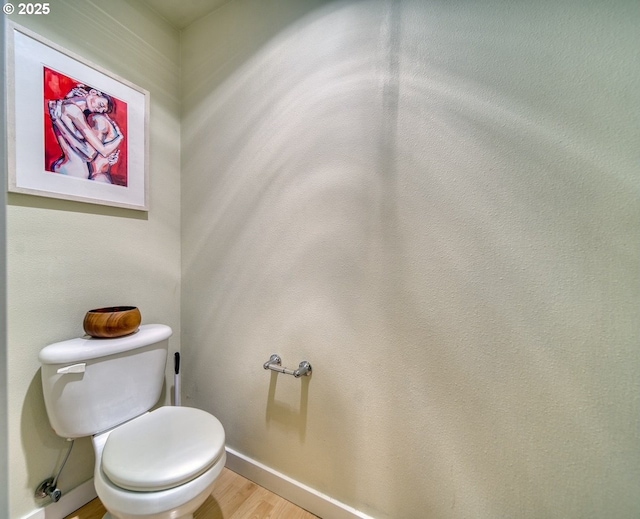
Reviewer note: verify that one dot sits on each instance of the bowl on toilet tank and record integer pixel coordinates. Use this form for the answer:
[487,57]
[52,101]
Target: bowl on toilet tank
[91,385]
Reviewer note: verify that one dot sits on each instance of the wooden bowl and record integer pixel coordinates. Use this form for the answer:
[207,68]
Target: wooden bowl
[114,321]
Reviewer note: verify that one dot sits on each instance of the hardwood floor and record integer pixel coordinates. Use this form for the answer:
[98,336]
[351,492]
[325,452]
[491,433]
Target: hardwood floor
[233,497]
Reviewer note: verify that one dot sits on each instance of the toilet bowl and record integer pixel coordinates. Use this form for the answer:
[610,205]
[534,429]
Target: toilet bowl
[159,464]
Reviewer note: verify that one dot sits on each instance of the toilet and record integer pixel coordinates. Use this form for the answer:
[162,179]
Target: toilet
[151,464]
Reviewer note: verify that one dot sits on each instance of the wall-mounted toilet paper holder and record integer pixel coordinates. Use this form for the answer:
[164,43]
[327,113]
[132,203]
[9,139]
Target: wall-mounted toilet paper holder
[275,364]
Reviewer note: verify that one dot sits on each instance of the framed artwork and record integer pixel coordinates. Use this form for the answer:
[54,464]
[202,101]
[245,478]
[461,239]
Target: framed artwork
[76,131]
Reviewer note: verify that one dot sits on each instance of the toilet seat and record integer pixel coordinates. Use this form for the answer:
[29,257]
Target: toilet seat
[162,449]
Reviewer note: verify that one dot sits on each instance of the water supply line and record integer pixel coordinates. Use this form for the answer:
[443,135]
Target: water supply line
[49,487]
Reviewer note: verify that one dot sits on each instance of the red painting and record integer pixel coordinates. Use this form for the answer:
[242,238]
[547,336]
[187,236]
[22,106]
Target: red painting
[85,131]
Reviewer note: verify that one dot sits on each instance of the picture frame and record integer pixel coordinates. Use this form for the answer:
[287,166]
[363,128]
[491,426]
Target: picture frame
[76,131]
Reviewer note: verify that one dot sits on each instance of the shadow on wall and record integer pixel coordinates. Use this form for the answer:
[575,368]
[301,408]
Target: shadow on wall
[283,413]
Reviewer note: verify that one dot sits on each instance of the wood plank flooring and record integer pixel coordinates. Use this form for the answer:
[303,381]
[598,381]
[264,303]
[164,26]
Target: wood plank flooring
[233,497]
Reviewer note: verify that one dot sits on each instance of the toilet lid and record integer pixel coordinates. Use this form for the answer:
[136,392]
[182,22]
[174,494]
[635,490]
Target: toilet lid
[162,449]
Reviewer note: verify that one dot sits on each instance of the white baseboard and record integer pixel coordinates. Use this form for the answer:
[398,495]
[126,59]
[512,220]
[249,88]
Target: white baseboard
[69,502]
[301,495]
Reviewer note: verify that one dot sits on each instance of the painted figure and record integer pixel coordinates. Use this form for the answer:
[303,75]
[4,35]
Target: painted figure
[88,137]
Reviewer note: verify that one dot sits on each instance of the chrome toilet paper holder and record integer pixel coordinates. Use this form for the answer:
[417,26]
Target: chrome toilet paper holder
[275,364]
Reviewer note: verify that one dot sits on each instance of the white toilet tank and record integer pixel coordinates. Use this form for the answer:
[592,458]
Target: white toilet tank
[91,385]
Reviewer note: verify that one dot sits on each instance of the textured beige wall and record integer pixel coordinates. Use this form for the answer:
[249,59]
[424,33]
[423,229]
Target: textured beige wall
[65,258]
[436,204]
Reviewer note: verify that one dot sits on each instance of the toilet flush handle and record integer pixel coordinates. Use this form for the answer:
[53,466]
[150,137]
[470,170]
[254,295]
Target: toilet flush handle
[74,368]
